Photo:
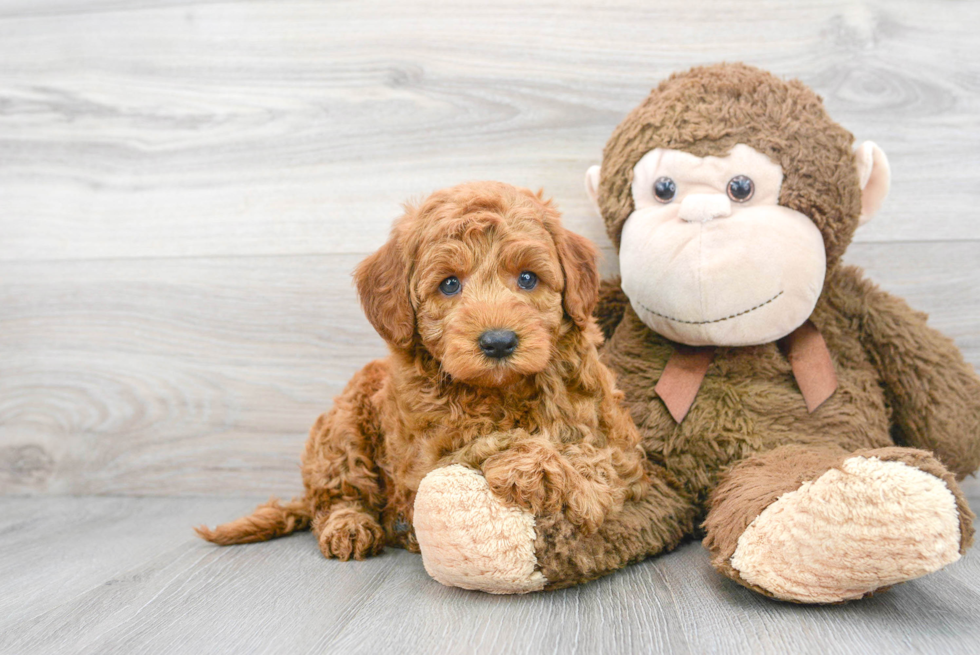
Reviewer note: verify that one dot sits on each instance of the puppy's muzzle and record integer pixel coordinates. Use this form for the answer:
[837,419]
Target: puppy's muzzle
[498,343]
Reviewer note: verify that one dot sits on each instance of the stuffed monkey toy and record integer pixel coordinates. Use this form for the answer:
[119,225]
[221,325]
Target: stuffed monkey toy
[811,426]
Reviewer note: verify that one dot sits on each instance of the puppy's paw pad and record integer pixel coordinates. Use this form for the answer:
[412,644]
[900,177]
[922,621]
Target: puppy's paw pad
[866,525]
[349,533]
[469,538]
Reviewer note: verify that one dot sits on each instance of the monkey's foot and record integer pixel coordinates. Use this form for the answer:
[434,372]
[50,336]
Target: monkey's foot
[471,539]
[863,525]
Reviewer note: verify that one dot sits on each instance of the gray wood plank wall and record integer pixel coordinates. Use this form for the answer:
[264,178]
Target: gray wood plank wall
[185,187]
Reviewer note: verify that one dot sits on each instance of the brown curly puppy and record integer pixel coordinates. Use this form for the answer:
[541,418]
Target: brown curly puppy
[485,302]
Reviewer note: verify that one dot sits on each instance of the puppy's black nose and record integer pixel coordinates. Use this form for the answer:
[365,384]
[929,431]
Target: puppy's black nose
[498,343]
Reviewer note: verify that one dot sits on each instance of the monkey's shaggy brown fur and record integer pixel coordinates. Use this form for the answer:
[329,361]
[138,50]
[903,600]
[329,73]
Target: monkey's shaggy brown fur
[545,426]
[900,382]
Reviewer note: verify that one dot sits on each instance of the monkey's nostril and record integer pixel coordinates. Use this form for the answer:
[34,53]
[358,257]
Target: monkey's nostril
[498,343]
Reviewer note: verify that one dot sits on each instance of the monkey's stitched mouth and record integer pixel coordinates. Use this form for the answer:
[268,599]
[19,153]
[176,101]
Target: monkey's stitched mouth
[717,320]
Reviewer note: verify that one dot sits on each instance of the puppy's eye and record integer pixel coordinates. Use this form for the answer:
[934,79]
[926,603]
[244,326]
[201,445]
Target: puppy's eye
[664,189]
[740,188]
[527,280]
[450,286]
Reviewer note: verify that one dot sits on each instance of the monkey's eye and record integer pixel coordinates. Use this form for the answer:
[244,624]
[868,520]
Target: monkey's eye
[527,280]
[450,286]
[664,189]
[740,188]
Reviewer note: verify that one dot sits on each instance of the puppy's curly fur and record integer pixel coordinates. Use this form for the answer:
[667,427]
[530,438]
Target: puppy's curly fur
[545,425]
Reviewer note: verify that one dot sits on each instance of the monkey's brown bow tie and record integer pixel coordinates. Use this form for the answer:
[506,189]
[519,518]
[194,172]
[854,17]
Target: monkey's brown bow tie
[805,349]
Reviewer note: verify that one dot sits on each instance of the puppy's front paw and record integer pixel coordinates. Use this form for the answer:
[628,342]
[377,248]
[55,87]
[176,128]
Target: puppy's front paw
[588,504]
[350,533]
[594,488]
[529,476]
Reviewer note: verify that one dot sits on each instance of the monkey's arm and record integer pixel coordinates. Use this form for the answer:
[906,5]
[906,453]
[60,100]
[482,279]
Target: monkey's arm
[933,393]
[612,303]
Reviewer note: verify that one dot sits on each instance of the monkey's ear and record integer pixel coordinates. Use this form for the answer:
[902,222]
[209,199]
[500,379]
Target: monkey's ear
[578,263]
[382,285]
[875,178]
[592,185]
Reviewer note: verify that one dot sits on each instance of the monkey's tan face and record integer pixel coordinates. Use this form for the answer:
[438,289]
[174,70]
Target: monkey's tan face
[709,257]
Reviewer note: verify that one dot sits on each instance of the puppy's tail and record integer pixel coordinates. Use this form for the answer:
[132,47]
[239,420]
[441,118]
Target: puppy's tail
[268,521]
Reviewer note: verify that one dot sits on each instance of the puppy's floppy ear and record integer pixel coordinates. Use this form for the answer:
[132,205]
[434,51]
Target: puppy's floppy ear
[578,263]
[382,284]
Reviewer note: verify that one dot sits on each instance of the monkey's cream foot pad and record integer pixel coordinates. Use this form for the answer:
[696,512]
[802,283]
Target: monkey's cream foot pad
[864,526]
[471,539]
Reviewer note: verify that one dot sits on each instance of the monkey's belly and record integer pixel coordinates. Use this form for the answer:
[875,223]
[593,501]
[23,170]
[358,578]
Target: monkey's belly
[749,402]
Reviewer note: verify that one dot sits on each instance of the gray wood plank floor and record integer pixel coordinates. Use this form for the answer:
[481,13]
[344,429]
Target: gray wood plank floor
[124,575]
[185,187]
